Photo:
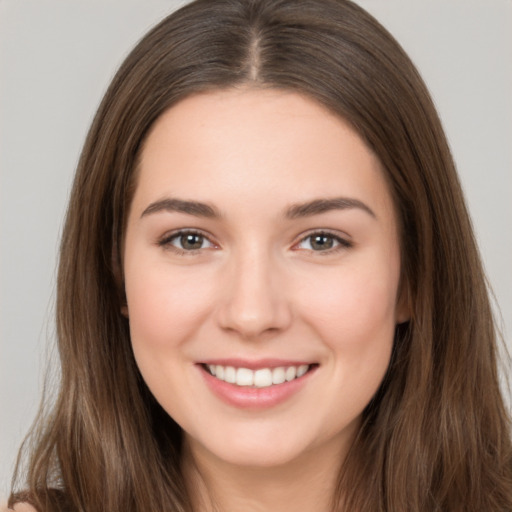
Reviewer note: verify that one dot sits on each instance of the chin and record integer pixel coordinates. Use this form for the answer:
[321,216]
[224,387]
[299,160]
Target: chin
[260,447]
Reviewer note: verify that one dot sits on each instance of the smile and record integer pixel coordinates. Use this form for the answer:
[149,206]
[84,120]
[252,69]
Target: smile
[256,384]
[260,378]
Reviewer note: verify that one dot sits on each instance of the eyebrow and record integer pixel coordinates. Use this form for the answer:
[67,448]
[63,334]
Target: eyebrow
[318,206]
[295,211]
[195,208]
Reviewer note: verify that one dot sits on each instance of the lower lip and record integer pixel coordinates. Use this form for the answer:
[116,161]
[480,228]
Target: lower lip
[247,397]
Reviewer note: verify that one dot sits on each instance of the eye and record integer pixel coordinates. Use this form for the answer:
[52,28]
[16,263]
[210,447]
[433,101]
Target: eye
[323,242]
[186,241]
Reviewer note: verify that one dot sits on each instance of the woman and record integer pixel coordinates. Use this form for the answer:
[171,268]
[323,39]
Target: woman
[269,294]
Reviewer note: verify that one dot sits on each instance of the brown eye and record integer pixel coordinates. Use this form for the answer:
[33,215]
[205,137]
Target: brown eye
[186,241]
[323,242]
[190,241]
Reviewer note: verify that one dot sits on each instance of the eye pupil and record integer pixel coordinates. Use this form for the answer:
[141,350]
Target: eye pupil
[191,241]
[322,242]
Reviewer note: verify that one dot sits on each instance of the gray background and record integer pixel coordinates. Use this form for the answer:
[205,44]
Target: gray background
[56,59]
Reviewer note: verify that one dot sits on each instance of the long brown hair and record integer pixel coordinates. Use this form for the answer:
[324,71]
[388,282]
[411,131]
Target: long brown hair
[436,437]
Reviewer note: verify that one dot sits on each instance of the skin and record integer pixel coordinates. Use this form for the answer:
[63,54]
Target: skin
[258,288]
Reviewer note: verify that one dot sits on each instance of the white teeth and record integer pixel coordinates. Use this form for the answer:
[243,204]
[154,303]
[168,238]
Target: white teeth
[219,372]
[278,375]
[262,378]
[230,374]
[301,370]
[244,377]
[291,373]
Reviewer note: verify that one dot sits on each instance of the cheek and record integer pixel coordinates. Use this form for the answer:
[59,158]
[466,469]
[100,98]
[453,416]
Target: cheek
[355,303]
[355,319]
[354,314]
[165,307]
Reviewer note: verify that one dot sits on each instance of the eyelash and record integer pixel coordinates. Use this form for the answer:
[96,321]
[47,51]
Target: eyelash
[342,243]
[166,242]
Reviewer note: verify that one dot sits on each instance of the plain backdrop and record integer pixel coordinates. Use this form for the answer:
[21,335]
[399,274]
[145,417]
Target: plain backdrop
[56,59]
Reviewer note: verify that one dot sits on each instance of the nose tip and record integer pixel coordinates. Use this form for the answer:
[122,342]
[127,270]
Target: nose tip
[249,325]
[254,303]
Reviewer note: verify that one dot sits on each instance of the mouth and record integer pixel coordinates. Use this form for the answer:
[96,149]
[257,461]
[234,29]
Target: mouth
[264,377]
[256,385]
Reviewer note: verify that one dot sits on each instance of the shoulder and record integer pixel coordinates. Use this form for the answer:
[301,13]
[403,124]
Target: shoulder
[19,507]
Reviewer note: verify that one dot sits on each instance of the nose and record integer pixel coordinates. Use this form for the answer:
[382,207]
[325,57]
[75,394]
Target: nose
[254,302]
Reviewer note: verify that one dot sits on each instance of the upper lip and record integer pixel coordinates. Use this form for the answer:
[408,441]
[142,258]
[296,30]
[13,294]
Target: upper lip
[255,364]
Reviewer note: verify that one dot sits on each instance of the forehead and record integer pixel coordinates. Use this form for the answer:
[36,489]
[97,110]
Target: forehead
[261,143]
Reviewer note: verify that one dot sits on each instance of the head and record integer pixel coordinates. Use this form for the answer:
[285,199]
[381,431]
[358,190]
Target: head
[336,56]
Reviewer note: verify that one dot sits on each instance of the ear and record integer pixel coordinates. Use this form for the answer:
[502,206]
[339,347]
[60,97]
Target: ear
[116,268]
[403,310]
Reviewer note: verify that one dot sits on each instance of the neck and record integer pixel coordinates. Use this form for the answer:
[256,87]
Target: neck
[307,483]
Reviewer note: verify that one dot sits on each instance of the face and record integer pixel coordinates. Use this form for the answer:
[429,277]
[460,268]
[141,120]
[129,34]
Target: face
[261,265]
